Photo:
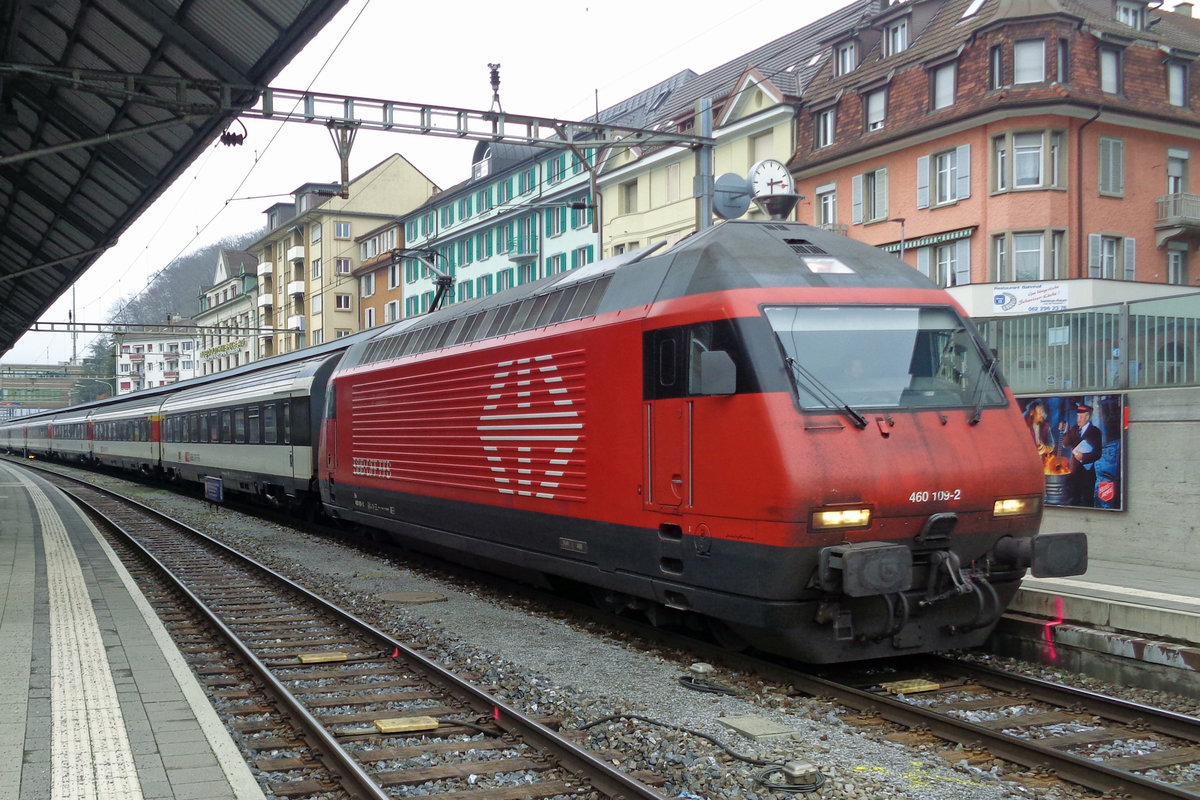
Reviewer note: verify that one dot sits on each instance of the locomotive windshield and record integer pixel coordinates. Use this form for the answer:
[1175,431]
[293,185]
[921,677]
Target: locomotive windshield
[883,357]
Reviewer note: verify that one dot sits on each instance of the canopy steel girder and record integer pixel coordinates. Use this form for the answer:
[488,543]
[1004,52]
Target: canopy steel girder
[148,329]
[217,98]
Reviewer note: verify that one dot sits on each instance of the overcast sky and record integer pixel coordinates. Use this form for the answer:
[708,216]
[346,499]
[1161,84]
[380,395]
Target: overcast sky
[555,58]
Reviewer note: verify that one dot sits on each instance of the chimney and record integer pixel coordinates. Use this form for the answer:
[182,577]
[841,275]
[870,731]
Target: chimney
[1183,8]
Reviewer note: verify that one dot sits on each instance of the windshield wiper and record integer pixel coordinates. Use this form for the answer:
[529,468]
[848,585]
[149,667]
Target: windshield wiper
[823,392]
[981,390]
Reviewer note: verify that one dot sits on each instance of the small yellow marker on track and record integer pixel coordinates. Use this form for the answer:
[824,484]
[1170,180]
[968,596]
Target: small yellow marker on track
[406,724]
[910,686]
[321,658]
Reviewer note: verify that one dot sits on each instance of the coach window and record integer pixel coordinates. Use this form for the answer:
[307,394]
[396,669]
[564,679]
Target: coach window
[239,425]
[214,427]
[254,425]
[226,427]
[285,414]
[270,432]
[300,422]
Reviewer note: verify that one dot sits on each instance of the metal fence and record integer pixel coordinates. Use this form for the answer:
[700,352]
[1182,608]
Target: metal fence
[1139,345]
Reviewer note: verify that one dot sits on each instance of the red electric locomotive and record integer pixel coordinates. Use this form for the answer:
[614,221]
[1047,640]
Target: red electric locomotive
[789,434]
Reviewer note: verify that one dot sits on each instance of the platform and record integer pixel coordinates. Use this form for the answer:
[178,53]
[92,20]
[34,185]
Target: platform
[95,699]
[1129,623]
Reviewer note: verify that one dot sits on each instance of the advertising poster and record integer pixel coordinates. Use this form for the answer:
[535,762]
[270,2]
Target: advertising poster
[1081,440]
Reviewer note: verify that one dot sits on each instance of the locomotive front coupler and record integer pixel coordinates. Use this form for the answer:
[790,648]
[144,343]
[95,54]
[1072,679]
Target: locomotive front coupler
[946,562]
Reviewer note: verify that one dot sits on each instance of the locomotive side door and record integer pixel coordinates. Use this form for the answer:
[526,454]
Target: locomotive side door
[667,422]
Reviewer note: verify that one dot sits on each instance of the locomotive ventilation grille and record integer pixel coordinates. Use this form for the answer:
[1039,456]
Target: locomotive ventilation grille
[514,427]
[805,248]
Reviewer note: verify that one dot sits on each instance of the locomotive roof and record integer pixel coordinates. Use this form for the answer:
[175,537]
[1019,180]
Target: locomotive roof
[729,256]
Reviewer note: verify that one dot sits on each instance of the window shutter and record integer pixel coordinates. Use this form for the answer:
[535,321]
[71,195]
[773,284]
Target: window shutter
[962,266]
[1093,255]
[923,261]
[856,194]
[923,182]
[962,158]
[1130,258]
[562,218]
[881,194]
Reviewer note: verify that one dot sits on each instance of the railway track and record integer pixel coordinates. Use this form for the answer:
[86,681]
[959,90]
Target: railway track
[1102,743]
[326,702]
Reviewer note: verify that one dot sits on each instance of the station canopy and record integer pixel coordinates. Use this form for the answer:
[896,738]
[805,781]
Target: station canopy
[84,151]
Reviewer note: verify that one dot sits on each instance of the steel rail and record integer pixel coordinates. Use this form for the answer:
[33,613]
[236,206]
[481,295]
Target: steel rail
[599,774]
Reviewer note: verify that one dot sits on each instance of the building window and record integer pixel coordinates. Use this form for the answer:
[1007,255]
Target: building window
[391,311]
[876,109]
[869,198]
[341,230]
[582,256]
[996,67]
[1177,164]
[1029,160]
[317,303]
[1112,257]
[947,264]
[944,177]
[555,217]
[393,275]
[341,302]
[316,268]
[1035,256]
[368,318]
[629,197]
[1029,61]
[943,86]
[367,285]
[1177,266]
[895,37]
[1063,61]
[1131,13]
[343,266]
[316,232]
[847,57]
[341,333]
[1177,84]
[1110,70]
[824,124]
[1112,166]
[826,206]
[556,263]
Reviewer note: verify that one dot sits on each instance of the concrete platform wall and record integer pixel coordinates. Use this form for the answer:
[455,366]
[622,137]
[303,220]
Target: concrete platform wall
[1162,498]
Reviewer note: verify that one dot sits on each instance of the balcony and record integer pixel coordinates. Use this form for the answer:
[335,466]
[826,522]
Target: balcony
[296,253]
[171,374]
[266,300]
[523,254]
[137,358]
[295,288]
[1178,217]
[265,269]
[296,322]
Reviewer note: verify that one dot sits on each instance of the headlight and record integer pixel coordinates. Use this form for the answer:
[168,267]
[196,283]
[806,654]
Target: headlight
[841,518]
[1017,507]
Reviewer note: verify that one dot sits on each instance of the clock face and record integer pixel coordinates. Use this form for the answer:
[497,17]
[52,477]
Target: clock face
[770,177]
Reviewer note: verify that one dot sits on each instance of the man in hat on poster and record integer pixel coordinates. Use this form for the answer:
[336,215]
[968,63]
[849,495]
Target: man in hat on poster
[1085,442]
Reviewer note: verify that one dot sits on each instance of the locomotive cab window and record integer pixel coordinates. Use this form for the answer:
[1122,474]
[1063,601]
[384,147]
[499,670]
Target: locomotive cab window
[708,358]
[883,357]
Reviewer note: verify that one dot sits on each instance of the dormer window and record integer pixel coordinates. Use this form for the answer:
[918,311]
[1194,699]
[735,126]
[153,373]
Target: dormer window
[876,109]
[1029,61]
[847,57]
[895,37]
[1131,13]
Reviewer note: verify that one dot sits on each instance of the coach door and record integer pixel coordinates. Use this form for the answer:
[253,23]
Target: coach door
[668,417]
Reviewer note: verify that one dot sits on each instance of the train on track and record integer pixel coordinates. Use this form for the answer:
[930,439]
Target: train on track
[786,434]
